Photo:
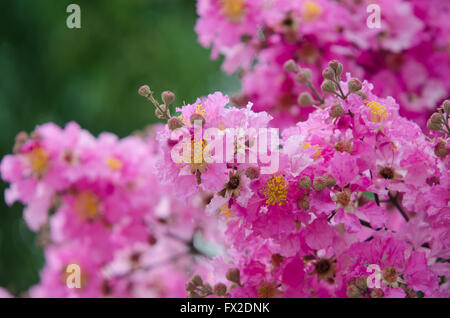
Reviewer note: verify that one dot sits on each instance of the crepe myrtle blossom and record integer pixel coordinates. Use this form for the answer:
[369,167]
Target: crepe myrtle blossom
[344,198]
[208,144]
[97,204]
[406,57]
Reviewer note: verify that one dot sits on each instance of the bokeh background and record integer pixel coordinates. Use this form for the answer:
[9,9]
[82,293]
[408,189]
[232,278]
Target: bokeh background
[89,75]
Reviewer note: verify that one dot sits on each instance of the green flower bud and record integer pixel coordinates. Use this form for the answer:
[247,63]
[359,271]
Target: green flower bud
[305,99]
[175,123]
[328,74]
[168,97]
[234,276]
[290,66]
[446,106]
[354,85]
[328,87]
[303,76]
[252,173]
[304,182]
[319,183]
[220,289]
[336,111]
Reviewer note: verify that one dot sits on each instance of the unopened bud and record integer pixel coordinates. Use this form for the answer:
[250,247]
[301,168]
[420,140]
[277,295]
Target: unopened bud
[190,286]
[144,90]
[158,114]
[304,182]
[328,74]
[441,149]
[168,97]
[336,66]
[336,111]
[305,99]
[362,94]
[328,87]
[252,173]
[174,123]
[377,293]
[197,118]
[354,85]
[303,202]
[330,181]
[197,280]
[435,122]
[290,66]
[446,106]
[234,276]
[319,183]
[303,76]
[220,289]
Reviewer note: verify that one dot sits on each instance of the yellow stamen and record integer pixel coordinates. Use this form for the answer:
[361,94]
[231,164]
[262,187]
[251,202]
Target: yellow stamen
[311,11]
[87,205]
[317,154]
[114,163]
[38,159]
[232,9]
[275,190]
[225,211]
[377,111]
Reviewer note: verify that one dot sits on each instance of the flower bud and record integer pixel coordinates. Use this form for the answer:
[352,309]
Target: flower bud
[190,286]
[354,85]
[328,87]
[435,122]
[303,203]
[234,276]
[330,181]
[220,289]
[168,97]
[304,182]
[197,280]
[305,99]
[252,173]
[336,66]
[144,90]
[174,123]
[290,66]
[319,183]
[158,114]
[362,94]
[441,149]
[328,74]
[197,118]
[303,76]
[336,111]
[377,293]
[446,106]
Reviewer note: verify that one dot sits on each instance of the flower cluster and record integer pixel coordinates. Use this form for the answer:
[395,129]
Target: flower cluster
[99,209]
[405,54]
[359,206]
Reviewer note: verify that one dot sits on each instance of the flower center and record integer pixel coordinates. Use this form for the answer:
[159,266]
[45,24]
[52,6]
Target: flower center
[387,173]
[275,190]
[311,11]
[87,205]
[233,9]
[317,154]
[38,159]
[114,163]
[225,211]
[377,111]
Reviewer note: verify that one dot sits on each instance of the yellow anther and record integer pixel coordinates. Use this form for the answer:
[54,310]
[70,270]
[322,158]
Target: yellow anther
[275,190]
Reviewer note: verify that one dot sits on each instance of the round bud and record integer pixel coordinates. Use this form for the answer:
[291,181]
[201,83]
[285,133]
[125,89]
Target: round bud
[336,111]
[446,106]
[305,99]
[252,173]
[319,183]
[336,66]
[174,123]
[362,94]
[158,114]
[354,85]
[220,289]
[144,90]
[328,87]
[330,181]
[233,275]
[441,149]
[328,74]
[303,76]
[168,97]
[196,119]
[290,66]
[436,118]
[304,182]
[432,124]
[197,280]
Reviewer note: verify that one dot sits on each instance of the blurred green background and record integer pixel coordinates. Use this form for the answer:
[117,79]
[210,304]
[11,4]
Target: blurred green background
[89,75]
